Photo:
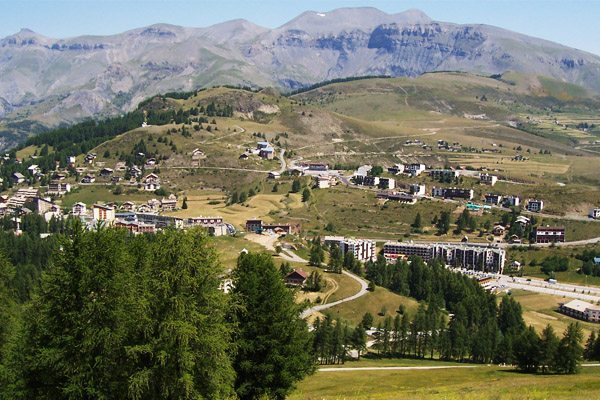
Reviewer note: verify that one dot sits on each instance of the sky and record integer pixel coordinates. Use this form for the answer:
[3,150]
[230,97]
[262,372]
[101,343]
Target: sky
[574,23]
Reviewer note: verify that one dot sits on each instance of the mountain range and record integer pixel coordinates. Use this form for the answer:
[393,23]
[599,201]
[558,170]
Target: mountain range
[62,80]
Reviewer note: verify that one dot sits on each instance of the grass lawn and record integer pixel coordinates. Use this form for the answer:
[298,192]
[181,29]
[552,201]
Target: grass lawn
[100,193]
[539,310]
[481,382]
[346,287]
[372,302]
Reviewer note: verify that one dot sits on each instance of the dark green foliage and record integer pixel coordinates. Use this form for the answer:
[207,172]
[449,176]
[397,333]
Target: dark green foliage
[296,186]
[184,205]
[592,347]
[317,254]
[126,317]
[376,170]
[555,264]
[314,282]
[306,195]
[336,259]
[274,345]
[443,223]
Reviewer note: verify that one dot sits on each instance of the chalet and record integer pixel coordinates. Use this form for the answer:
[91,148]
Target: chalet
[151,162]
[197,154]
[135,227]
[28,194]
[58,176]
[103,212]
[534,205]
[151,182]
[511,201]
[492,198]
[274,175]
[417,189]
[17,177]
[453,192]
[116,179]
[79,209]
[90,157]
[267,153]
[71,161]
[549,234]
[396,169]
[595,213]
[169,204]
[322,182]
[128,206]
[135,171]
[106,172]
[34,169]
[153,204]
[296,278]
[498,230]
[414,169]
[243,156]
[121,166]
[58,188]
[581,310]
[387,183]
[88,179]
[488,179]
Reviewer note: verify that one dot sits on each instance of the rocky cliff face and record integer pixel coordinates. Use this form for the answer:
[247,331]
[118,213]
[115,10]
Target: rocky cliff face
[64,80]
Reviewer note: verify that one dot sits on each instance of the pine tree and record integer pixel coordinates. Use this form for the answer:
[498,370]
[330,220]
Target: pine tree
[417,224]
[550,343]
[184,206]
[273,341]
[306,195]
[590,347]
[367,321]
[296,186]
[570,350]
[317,255]
[335,259]
[528,351]
[359,340]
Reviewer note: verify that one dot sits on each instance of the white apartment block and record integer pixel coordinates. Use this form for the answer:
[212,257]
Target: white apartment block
[363,249]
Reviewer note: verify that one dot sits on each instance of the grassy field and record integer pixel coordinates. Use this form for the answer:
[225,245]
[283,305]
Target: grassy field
[481,382]
[372,302]
[100,193]
[539,310]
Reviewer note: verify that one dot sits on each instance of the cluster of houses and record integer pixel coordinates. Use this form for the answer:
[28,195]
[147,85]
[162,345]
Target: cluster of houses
[362,249]
[263,149]
[140,220]
[470,256]
[260,226]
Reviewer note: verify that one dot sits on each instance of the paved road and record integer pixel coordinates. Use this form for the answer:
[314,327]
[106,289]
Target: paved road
[363,290]
[282,161]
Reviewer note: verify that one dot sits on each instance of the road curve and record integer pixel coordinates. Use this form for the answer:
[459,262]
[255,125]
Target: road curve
[364,285]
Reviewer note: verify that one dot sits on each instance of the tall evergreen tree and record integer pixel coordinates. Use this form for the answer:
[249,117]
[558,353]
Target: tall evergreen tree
[570,350]
[274,345]
[549,342]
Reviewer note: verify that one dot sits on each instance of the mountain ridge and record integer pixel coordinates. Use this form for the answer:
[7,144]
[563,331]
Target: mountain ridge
[63,80]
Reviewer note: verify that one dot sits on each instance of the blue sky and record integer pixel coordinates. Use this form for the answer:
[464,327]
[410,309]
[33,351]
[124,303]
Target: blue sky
[570,22]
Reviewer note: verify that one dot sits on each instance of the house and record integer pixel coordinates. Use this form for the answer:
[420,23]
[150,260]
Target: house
[498,230]
[417,189]
[151,162]
[58,188]
[414,169]
[581,310]
[88,179]
[243,156]
[120,166]
[106,172]
[296,278]
[135,227]
[274,175]
[151,182]
[488,179]
[71,161]
[267,153]
[511,201]
[549,234]
[494,199]
[34,169]
[128,206]
[262,145]
[258,226]
[169,204]
[595,213]
[153,204]
[453,192]
[89,158]
[515,266]
[534,205]
[296,171]
[363,170]
[387,183]
[103,212]
[18,177]
[135,171]
[57,176]
[396,169]
[522,220]
[116,179]
[401,197]
[197,154]
[79,209]
[204,221]
[322,182]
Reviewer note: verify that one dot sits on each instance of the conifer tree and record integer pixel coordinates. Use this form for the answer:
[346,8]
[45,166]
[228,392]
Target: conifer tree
[274,345]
